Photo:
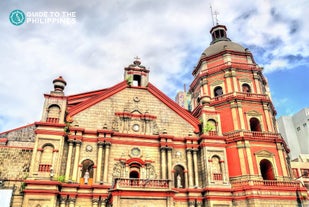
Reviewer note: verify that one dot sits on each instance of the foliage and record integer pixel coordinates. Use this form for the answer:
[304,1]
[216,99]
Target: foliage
[129,80]
[61,178]
[208,127]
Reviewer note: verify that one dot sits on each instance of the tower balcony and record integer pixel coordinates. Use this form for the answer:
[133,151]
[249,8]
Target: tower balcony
[239,96]
[252,135]
[140,184]
[266,183]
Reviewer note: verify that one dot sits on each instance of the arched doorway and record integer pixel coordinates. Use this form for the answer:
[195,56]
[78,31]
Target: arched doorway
[255,125]
[267,171]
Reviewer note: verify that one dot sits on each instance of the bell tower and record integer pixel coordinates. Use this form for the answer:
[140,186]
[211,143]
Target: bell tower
[230,97]
[136,74]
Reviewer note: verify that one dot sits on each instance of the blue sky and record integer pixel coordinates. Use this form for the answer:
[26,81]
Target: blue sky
[169,36]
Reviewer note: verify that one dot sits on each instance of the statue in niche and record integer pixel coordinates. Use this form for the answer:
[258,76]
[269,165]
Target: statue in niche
[179,181]
[86,177]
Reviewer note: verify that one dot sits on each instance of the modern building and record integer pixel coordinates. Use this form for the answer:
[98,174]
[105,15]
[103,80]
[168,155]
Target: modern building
[295,131]
[131,145]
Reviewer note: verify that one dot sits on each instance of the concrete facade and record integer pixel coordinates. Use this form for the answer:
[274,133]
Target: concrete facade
[295,130]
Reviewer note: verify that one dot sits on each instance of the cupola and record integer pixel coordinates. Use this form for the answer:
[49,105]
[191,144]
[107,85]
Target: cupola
[136,74]
[59,84]
[218,33]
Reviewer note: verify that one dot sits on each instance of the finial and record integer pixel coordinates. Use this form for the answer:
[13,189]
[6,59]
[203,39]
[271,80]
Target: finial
[59,84]
[137,61]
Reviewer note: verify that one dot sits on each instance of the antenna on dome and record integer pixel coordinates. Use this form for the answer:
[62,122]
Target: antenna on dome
[214,13]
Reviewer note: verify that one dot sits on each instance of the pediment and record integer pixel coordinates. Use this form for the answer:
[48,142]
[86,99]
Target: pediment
[264,153]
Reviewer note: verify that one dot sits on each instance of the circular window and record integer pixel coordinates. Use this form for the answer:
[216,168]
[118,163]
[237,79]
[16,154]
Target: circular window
[135,151]
[135,127]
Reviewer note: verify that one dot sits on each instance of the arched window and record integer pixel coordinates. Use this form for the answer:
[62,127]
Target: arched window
[134,174]
[136,80]
[46,158]
[266,169]
[179,176]
[216,168]
[246,88]
[53,114]
[211,126]
[218,91]
[87,172]
[255,125]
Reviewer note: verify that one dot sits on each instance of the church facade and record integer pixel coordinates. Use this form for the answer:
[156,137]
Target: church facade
[131,145]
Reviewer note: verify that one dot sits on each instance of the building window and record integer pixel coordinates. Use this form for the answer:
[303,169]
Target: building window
[53,114]
[46,158]
[179,176]
[218,91]
[304,173]
[266,169]
[246,88]
[255,125]
[136,80]
[216,168]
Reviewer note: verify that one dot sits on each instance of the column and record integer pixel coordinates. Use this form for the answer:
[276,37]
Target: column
[103,202]
[267,116]
[234,115]
[69,160]
[250,162]
[76,161]
[106,158]
[257,82]
[169,163]
[163,163]
[195,167]
[62,201]
[99,166]
[72,202]
[95,202]
[282,159]
[190,174]
[39,155]
[241,115]
[240,149]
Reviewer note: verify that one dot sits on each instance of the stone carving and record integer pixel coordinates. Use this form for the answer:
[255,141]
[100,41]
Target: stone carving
[117,170]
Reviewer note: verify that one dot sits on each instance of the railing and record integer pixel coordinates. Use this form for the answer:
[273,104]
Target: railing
[241,95]
[52,120]
[273,183]
[252,134]
[44,167]
[140,183]
[217,176]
